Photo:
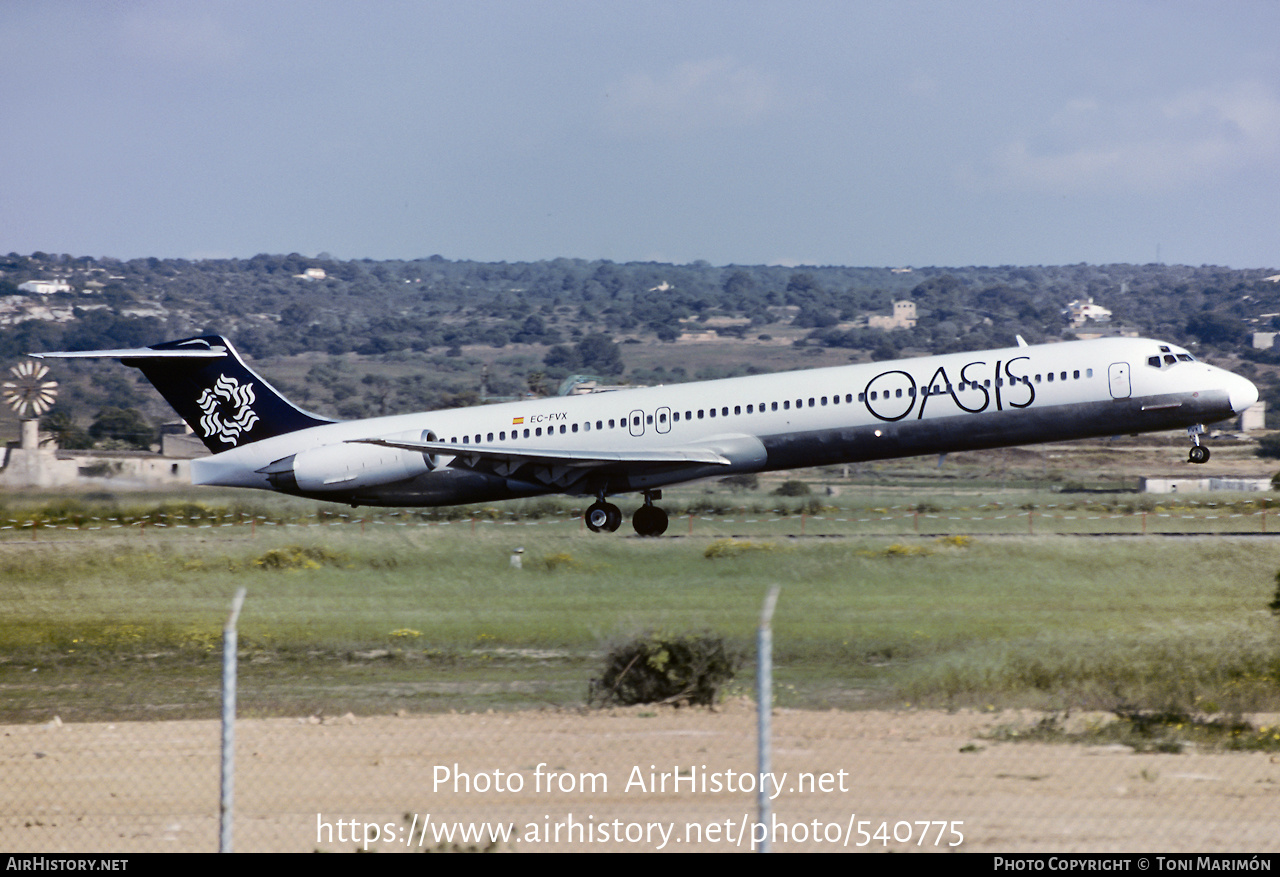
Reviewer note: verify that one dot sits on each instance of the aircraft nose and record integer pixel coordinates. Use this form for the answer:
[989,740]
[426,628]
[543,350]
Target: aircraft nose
[1242,393]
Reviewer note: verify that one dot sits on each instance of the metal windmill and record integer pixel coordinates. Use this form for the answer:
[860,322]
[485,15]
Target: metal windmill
[28,393]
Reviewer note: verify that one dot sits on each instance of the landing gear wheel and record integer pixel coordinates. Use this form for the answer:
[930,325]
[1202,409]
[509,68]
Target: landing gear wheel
[602,517]
[615,517]
[649,520]
[1198,454]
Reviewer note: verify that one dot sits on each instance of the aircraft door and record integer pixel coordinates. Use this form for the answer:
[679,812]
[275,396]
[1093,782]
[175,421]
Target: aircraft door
[1118,376]
[635,422]
[662,422]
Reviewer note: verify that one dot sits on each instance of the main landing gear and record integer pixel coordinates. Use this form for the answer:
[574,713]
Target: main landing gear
[605,517]
[1199,453]
[602,516]
[649,520]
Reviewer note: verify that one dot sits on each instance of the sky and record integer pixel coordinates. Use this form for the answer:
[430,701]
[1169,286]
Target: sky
[853,132]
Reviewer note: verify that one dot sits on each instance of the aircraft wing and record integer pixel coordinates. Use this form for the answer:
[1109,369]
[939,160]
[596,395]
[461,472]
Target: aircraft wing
[569,470]
[579,459]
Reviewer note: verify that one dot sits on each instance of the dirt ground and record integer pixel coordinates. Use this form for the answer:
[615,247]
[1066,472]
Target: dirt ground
[852,779]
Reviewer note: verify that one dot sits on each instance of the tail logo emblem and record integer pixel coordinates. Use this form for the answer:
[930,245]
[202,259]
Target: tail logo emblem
[226,409]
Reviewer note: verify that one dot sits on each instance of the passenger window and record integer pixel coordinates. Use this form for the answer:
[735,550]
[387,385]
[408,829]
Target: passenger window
[725,411]
[1076,374]
[489,437]
[538,432]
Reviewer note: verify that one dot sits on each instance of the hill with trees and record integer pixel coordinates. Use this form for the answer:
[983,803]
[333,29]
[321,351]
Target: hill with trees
[361,337]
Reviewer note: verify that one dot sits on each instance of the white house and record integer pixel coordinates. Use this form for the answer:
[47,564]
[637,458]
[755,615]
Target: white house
[1083,311]
[45,287]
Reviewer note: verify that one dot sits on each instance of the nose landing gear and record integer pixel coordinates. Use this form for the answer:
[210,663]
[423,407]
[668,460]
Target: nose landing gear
[1199,453]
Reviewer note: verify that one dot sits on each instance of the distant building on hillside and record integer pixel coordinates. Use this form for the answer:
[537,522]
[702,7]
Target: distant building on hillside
[45,287]
[1081,312]
[904,317]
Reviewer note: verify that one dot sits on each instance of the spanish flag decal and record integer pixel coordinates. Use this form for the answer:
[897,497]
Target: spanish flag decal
[516,420]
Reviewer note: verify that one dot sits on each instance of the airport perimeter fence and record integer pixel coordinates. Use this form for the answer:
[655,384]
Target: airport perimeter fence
[639,779]
[814,519]
[110,760]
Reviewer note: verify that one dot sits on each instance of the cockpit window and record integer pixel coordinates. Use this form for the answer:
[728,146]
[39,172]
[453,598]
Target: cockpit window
[1168,358]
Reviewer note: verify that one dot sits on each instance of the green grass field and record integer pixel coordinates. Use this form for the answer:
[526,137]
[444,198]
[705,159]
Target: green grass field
[124,621]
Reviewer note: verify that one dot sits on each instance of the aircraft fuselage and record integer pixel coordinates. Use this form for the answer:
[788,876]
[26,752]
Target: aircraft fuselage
[842,414]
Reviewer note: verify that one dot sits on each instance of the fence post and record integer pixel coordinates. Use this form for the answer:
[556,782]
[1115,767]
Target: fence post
[228,722]
[764,710]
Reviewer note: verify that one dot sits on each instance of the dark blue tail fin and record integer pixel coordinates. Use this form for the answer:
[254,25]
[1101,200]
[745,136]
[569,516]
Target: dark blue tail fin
[208,384]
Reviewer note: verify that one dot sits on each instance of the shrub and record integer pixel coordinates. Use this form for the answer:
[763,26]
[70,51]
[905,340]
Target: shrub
[1269,446]
[792,487]
[745,481]
[663,669]
[734,547]
[299,557]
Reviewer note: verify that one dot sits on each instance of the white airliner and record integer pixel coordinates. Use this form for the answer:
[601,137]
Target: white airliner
[643,439]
